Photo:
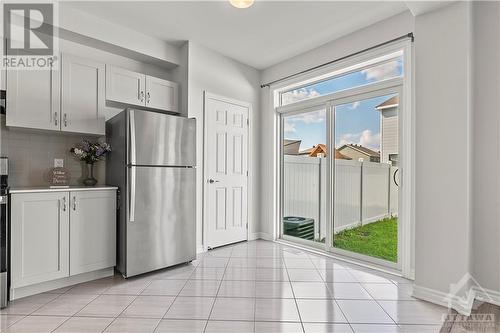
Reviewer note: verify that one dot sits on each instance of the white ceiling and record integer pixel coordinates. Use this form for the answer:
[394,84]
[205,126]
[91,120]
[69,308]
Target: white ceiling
[260,36]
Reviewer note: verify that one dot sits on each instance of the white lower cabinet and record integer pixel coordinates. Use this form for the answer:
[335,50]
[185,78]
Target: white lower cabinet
[92,237]
[39,237]
[61,234]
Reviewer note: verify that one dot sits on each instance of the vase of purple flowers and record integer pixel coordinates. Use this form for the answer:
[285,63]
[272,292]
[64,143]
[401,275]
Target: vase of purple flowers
[90,153]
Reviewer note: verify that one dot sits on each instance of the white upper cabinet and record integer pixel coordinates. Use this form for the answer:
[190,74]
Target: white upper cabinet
[82,90]
[33,99]
[161,94]
[70,98]
[134,88]
[125,86]
[92,230]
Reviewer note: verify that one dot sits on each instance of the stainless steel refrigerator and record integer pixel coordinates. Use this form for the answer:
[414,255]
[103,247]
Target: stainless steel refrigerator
[152,162]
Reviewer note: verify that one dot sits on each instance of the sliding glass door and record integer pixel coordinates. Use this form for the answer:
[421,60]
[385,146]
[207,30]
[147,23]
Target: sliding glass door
[304,167]
[365,135]
[339,175]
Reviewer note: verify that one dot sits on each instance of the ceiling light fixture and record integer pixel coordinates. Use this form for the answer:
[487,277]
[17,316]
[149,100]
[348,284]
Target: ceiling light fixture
[241,3]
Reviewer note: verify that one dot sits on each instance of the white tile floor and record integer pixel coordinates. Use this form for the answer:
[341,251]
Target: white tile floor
[257,286]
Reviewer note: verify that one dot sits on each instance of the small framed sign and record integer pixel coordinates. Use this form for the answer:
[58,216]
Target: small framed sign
[59,177]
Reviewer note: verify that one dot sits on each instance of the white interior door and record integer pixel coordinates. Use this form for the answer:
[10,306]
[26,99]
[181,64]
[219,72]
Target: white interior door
[226,158]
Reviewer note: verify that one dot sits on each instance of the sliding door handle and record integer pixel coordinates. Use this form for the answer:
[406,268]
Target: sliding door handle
[394,177]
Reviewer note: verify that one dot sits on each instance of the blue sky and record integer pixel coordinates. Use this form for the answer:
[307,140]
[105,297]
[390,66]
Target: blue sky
[357,122]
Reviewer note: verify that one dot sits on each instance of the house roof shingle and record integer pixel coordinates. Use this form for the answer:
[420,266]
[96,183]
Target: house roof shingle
[391,102]
[360,148]
[321,149]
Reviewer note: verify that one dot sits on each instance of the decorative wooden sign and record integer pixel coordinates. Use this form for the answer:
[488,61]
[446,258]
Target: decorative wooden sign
[59,177]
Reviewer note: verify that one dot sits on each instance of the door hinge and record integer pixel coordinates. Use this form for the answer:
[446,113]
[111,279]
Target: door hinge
[247,173]
[248,122]
[247,225]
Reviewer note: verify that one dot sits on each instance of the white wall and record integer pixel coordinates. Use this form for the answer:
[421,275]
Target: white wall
[103,34]
[380,32]
[486,145]
[180,75]
[443,138]
[212,72]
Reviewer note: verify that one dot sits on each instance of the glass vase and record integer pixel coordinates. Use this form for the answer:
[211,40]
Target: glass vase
[90,180]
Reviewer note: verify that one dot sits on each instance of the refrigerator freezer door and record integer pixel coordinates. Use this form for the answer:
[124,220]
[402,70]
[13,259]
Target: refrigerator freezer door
[160,139]
[163,231]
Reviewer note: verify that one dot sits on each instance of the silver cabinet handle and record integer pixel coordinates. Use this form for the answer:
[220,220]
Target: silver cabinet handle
[65,120]
[64,204]
[211,181]
[149,98]
[141,96]
[55,118]
[74,203]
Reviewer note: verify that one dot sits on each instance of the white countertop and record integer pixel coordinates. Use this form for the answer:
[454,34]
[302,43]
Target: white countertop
[61,189]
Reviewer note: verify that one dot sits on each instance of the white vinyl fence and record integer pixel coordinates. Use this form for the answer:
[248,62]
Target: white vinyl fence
[365,192]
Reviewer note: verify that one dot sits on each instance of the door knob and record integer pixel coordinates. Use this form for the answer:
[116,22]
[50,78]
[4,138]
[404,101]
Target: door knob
[211,181]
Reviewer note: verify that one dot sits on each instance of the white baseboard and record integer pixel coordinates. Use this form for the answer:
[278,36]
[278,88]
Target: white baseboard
[446,299]
[253,236]
[264,236]
[462,306]
[488,295]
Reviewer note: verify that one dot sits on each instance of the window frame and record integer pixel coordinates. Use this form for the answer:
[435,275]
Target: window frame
[341,73]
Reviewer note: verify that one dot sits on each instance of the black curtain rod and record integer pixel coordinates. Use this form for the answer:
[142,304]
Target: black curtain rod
[408,35]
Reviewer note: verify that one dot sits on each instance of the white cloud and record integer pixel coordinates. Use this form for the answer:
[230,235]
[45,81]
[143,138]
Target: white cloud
[309,118]
[366,138]
[299,95]
[381,72]
[289,127]
[355,105]
[370,140]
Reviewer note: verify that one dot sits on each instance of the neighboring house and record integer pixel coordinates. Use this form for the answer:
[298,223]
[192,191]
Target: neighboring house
[359,153]
[291,147]
[389,142]
[320,150]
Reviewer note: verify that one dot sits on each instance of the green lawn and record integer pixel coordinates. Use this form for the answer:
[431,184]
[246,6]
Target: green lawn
[378,239]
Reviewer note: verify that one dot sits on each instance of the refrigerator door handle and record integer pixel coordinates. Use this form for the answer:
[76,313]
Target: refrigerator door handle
[132,137]
[132,194]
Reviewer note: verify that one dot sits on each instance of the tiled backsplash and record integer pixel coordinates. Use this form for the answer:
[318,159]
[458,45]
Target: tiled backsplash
[31,155]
